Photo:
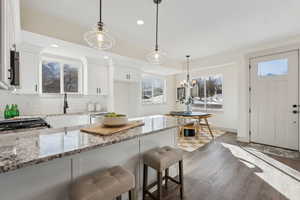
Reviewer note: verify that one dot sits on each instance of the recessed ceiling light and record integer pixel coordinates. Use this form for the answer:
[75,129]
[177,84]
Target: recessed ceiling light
[54,45]
[140,22]
[106,57]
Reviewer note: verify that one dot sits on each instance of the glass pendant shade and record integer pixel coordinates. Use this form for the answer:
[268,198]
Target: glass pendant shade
[156,57]
[99,39]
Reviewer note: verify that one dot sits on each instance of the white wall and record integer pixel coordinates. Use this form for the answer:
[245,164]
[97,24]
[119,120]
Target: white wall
[35,104]
[228,117]
[128,99]
[240,57]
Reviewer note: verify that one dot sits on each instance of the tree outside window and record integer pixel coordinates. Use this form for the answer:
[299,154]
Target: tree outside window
[59,76]
[208,92]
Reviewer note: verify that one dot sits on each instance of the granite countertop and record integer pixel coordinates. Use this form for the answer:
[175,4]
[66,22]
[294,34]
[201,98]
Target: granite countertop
[19,149]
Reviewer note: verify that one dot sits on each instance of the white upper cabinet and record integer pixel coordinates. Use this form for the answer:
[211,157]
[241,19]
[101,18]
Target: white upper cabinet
[29,73]
[29,69]
[97,78]
[126,74]
[10,33]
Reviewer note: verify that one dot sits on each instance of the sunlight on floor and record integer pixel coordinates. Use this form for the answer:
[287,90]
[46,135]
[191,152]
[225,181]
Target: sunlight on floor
[281,177]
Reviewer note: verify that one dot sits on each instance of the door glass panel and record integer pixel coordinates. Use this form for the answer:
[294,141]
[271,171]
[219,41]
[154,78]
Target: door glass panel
[273,68]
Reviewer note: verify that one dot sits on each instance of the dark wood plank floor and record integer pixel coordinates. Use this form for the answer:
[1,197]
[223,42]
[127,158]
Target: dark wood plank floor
[215,173]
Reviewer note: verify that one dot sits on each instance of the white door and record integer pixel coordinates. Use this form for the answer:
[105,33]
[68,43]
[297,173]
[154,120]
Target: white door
[274,100]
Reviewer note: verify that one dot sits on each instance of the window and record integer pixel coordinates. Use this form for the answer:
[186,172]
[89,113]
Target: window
[208,93]
[61,76]
[153,90]
[273,68]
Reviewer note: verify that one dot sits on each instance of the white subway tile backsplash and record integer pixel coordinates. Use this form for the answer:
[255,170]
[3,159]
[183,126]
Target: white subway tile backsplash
[35,104]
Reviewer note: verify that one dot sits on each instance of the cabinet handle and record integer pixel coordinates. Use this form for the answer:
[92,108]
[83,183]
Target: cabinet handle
[99,90]
[36,87]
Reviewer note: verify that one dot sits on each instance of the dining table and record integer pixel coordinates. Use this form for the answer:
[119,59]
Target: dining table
[201,119]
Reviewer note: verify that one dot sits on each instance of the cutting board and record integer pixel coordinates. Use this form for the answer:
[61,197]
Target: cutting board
[106,131]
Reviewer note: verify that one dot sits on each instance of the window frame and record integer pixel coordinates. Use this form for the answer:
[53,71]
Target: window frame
[205,107]
[62,61]
[164,90]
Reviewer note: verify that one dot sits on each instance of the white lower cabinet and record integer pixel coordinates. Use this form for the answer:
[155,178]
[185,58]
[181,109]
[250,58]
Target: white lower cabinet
[46,181]
[51,180]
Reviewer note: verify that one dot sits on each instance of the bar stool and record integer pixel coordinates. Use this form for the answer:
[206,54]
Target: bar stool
[105,185]
[161,159]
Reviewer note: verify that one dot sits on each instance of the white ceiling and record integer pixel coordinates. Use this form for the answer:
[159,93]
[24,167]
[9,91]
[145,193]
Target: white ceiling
[197,27]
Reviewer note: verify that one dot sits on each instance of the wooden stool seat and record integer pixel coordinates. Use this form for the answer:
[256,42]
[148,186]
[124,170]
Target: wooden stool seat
[161,159]
[104,185]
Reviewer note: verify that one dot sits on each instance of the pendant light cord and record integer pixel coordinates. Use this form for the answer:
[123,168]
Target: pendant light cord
[100,11]
[188,68]
[156,40]
[100,23]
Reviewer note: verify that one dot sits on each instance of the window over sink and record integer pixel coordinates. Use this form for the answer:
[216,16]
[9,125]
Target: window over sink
[153,90]
[59,75]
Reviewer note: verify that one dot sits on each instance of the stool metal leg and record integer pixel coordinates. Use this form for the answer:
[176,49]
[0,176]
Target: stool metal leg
[159,183]
[130,194]
[166,177]
[145,181]
[119,198]
[181,178]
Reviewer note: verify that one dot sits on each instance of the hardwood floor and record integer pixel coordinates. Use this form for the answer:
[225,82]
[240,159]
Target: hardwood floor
[223,170]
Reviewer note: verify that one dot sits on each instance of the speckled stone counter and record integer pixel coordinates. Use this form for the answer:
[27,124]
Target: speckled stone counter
[19,149]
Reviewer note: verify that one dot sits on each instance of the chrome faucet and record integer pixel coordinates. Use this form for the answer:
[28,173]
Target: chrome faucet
[66,105]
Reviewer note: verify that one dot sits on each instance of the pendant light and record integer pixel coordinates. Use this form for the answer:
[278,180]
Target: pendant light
[188,82]
[99,38]
[157,56]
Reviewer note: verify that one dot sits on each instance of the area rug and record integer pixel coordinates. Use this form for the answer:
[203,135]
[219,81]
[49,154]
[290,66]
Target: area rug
[285,153]
[191,144]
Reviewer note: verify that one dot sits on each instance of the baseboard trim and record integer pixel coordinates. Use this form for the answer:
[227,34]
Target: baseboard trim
[243,139]
[226,129]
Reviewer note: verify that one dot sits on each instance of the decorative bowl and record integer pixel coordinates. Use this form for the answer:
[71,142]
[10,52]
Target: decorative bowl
[119,120]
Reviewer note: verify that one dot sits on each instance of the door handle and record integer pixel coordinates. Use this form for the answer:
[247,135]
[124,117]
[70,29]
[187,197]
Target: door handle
[295,112]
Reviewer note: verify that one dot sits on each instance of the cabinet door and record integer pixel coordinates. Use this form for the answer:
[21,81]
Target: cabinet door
[103,80]
[97,80]
[29,73]
[121,74]
[134,76]
[126,74]
[7,35]
[92,80]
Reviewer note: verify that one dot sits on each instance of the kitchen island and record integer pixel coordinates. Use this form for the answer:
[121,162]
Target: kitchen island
[41,164]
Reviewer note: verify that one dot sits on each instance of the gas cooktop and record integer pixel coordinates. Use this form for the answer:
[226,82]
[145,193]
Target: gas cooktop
[23,123]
